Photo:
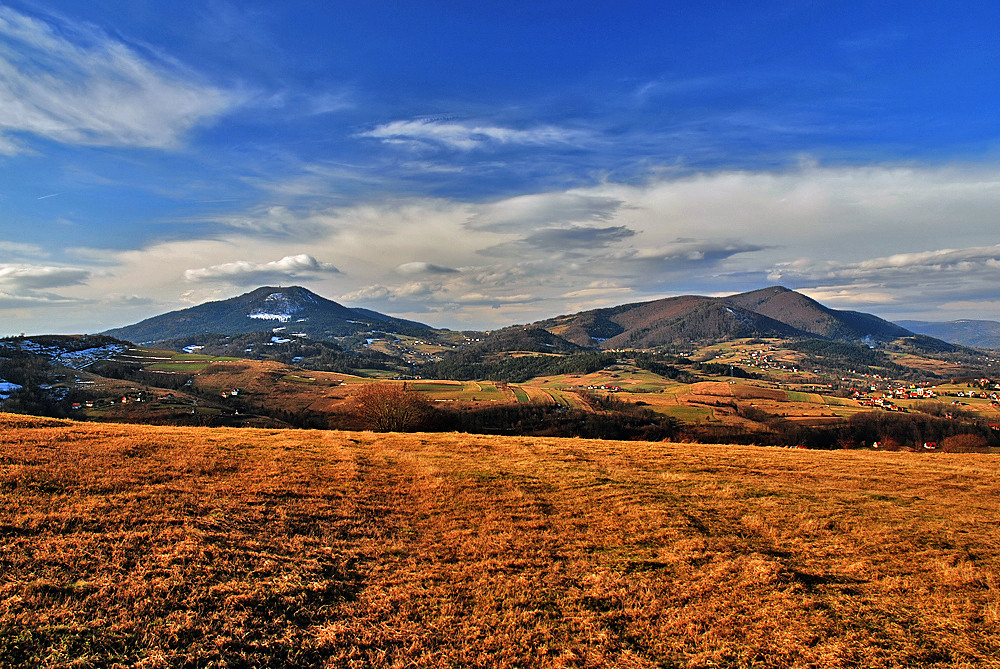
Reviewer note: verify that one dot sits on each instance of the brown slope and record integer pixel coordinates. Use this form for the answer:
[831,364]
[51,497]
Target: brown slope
[805,313]
[670,320]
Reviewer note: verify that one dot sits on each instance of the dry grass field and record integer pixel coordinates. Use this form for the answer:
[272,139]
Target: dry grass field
[127,545]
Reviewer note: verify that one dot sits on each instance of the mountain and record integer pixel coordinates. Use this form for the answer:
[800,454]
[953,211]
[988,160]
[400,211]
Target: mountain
[978,334]
[294,311]
[808,315]
[769,312]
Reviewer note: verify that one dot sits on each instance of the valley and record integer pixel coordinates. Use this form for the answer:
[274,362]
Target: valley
[761,391]
[768,367]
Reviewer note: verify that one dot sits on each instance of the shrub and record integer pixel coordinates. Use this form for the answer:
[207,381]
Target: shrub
[964,443]
[390,407]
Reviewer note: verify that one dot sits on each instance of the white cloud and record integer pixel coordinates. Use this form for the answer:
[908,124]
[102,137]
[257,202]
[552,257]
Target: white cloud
[29,278]
[465,137]
[959,266]
[244,272]
[873,238]
[529,212]
[943,260]
[32,301]
[77,87]
[18,249]
[490,299]
[562,242]
[825,213]
[279,221]
[411,268]
[856,296]
[25,289]
[684,254]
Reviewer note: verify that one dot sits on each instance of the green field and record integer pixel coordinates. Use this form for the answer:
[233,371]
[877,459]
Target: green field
[685,413]
[182,366]
[520,395]
[797,396]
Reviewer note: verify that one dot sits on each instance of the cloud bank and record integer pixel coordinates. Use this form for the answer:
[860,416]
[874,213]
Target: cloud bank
[873,237]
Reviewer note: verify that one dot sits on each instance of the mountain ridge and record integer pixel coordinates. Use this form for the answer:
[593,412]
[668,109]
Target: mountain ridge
[773,311]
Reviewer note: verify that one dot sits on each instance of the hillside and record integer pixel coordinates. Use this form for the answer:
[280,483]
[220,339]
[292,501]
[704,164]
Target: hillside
[292,311]
[155,546]
[808,315]
[975,333]
[769,312]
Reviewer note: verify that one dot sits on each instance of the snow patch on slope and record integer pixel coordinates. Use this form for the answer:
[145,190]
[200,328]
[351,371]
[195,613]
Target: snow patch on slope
[277,308]
[74,359]
[7,388]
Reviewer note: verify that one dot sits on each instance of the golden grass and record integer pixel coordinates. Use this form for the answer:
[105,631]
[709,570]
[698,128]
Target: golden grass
[157,546]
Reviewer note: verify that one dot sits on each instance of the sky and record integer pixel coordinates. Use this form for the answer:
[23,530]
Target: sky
[472,165]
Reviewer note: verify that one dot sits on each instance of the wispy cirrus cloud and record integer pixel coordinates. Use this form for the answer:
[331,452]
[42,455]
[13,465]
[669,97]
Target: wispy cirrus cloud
[245,272]
[467,137]
[19,249]
[76,86]
[279,222]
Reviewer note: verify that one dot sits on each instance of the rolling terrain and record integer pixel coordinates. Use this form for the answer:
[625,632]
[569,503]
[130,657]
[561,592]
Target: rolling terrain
[163,546]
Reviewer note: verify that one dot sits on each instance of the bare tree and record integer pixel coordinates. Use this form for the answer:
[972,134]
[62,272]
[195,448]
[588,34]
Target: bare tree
[390,407]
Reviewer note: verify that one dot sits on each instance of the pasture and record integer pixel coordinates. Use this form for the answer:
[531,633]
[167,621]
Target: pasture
[165,546]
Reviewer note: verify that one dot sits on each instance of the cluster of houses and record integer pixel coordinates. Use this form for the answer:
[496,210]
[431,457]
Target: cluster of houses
[133,398]
[877,402]
[759,359]
[865,397]
[978,393]
[607,386]
[90,404]
[987,384]
[885,401]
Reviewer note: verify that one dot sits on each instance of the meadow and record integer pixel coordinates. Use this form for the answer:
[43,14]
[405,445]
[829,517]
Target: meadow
[150,546]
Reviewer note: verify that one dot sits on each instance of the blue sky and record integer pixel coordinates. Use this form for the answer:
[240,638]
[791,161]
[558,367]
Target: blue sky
[472,165]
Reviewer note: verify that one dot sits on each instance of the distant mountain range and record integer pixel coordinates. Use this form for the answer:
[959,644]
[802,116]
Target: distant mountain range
[769,312]
[293,311]
[978,334]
